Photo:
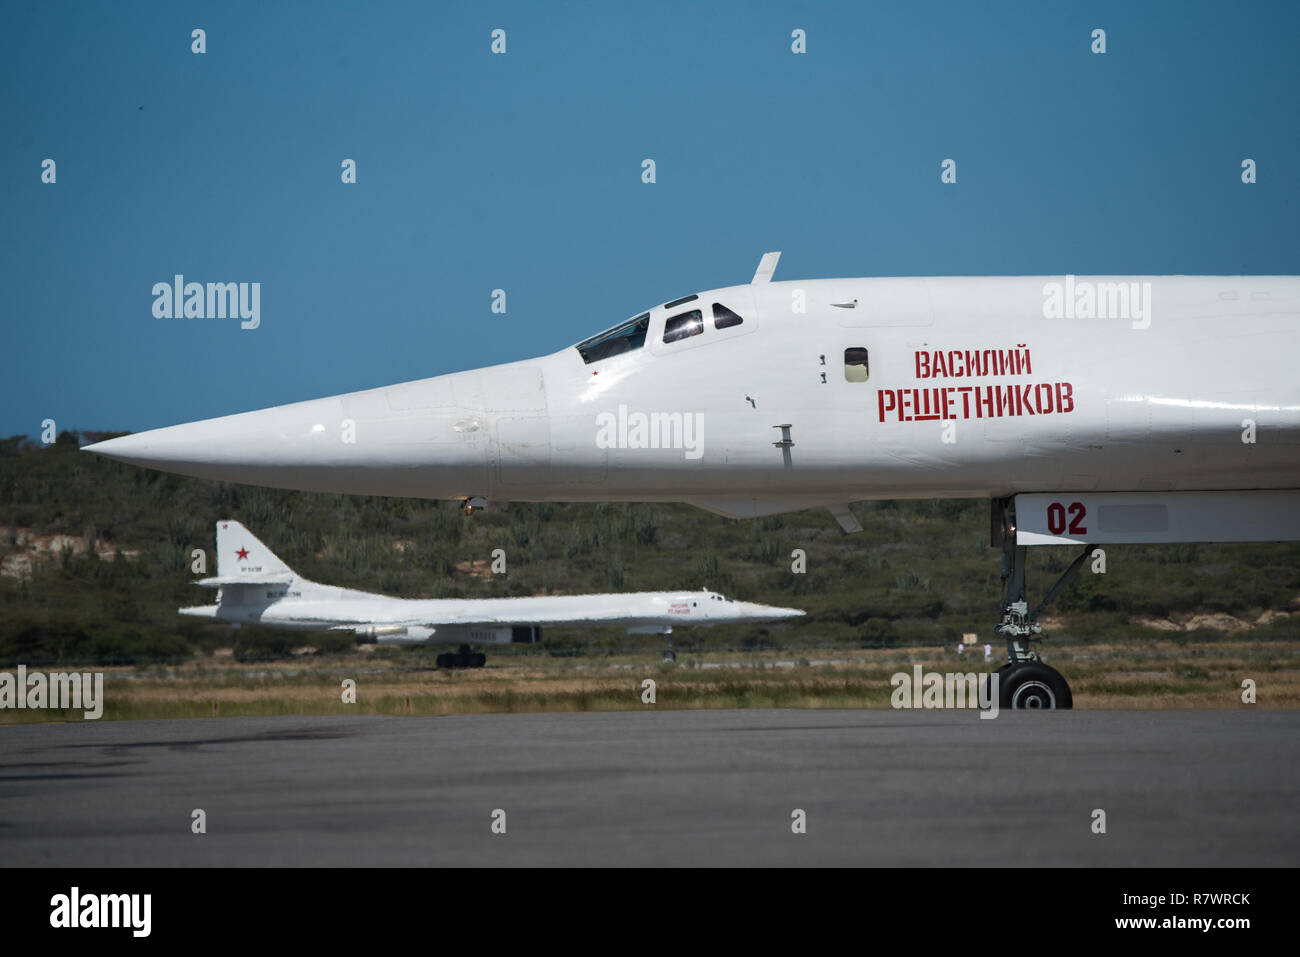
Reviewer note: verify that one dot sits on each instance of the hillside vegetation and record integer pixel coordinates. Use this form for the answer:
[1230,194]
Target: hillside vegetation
[922,572]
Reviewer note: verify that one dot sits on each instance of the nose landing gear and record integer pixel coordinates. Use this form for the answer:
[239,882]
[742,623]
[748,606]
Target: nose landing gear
[670,656]
[1025,681]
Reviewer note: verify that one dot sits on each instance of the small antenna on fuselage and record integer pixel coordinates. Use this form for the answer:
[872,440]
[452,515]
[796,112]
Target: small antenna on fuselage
[766,266]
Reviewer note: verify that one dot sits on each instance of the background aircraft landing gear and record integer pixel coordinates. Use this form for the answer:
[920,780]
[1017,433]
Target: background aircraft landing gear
[670,656]
[464,658]
[1024,681]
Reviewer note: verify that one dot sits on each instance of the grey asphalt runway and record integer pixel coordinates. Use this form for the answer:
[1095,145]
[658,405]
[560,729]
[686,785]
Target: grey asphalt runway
[879,788]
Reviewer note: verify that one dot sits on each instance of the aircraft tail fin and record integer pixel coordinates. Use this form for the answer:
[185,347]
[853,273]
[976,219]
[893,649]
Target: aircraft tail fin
[241,555]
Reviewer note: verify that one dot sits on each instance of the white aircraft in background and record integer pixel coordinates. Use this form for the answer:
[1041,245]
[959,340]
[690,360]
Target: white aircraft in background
[256,588]
[1090,410]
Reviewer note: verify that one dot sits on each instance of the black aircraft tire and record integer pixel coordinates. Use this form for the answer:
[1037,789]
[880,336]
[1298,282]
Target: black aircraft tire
[1033,686]
[1002,679]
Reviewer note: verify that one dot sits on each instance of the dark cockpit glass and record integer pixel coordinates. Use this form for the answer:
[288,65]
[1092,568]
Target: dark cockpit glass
[724,318]
[624,337]
[684,325]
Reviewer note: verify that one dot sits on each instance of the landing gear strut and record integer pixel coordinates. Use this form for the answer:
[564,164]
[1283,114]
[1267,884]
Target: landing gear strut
[1024,681]
[670,656]
[463,658]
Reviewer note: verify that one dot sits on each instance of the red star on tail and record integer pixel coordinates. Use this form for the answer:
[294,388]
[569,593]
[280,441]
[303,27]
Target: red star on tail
[242,553]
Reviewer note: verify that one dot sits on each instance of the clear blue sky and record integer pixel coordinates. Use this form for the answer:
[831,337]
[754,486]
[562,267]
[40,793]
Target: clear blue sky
[523,172]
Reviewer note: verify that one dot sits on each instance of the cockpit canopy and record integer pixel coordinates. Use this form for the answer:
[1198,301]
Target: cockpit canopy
[624,337]
[631,335]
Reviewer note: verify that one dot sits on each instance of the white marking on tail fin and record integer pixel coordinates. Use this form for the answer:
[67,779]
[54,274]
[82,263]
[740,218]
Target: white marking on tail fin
[240,554]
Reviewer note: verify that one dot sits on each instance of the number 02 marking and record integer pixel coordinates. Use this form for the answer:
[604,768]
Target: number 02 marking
[1056,513]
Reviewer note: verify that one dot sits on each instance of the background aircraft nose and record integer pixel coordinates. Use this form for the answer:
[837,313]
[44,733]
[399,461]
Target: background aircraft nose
[772,612]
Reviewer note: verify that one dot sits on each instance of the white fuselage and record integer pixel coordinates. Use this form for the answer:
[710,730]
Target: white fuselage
[308,606]
[959,387]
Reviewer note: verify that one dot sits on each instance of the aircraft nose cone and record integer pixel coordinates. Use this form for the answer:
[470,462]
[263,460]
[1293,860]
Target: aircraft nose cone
[774,613]
[162,448]
[286,436]
[407,440]
[431,438]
